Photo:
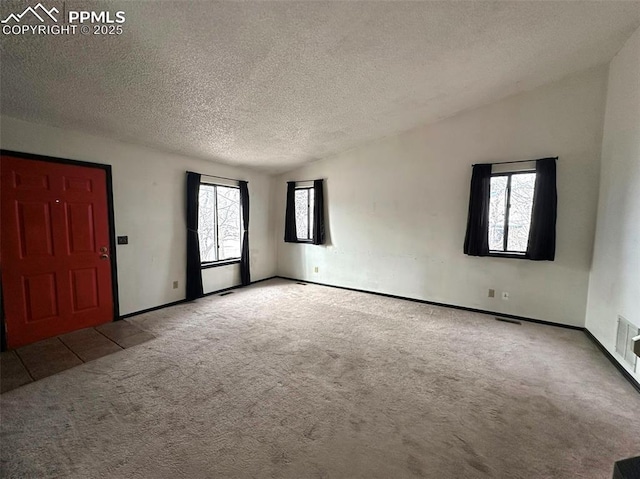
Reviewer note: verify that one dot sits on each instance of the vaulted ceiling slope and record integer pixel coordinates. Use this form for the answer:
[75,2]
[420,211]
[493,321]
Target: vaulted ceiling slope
[273,85]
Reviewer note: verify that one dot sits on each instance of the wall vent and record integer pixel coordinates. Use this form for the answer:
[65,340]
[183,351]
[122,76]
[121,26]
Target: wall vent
[226,293]
[624,342]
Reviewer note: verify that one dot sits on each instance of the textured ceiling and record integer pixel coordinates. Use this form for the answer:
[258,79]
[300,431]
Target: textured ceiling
[276,84]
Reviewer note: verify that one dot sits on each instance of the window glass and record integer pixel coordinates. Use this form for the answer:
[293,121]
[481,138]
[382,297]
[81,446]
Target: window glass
[511,201]
[219,223]
[207,223]
[228,207]
[302,213]
[522,187]
[311,198]
[497,209]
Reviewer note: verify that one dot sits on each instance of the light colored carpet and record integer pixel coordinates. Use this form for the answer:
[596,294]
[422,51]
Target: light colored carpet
[283,380]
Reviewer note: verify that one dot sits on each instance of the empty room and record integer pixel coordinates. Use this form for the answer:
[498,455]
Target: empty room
[320,239]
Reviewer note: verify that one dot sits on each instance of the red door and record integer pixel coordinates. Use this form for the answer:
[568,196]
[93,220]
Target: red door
[56,268]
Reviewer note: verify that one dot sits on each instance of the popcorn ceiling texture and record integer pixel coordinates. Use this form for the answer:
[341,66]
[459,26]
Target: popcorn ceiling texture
[276,84]
[280,380]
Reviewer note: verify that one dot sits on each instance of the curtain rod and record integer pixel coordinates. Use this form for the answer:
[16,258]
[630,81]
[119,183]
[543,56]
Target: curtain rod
[518,161]
[214,176]
[301,181]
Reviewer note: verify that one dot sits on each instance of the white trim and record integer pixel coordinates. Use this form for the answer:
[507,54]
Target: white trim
[514,167]
[209,180]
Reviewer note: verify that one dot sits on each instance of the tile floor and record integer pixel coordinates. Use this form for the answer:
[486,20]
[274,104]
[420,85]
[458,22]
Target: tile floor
[50,356]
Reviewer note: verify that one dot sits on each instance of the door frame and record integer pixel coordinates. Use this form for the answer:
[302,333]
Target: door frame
[111,225]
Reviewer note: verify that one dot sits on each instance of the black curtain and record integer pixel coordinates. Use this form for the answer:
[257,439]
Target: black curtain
[245,272]
[318,212]
[194,271]
[476,241]
[542,235]
[290,235]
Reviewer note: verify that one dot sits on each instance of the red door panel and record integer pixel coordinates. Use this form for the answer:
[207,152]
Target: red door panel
[84,289]
[34,229]
[56,270]
[41,301]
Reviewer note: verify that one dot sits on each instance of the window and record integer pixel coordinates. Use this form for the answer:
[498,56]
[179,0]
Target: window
[513,213]
[304,213]
[219,227]
[511,202]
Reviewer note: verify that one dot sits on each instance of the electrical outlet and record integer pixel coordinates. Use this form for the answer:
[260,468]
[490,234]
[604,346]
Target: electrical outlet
[175,285]
[315,270]
[505,296]
[492,293]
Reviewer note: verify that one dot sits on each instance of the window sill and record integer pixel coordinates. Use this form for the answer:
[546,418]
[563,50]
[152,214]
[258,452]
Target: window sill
[215,264]
[499,254]
[301,241]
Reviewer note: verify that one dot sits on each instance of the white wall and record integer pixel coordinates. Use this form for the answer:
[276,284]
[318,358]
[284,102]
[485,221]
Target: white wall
[149,192]
[397,208]
[614,288]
